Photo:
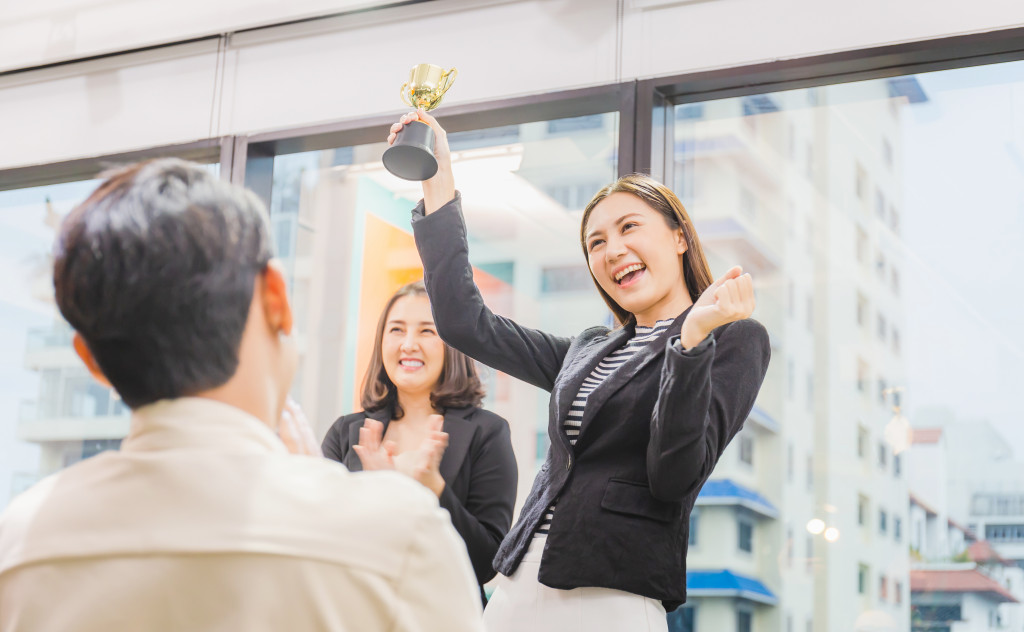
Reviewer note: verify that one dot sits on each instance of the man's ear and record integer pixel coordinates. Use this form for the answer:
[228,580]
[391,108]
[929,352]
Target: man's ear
[276,308]
[85,354]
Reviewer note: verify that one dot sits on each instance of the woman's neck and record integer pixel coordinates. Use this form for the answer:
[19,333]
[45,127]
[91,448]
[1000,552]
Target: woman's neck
[415,405]
[667,308]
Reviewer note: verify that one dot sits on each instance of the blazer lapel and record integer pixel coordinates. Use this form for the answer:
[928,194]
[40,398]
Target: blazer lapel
[579,368]
[624,373]
[460,437]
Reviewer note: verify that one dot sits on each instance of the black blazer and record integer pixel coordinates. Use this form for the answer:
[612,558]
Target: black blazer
[478,467]
[651,433]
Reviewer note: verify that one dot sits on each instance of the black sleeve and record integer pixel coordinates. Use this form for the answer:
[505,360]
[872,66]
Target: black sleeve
[705,396]
[335,445]
[462,319]
[487,515]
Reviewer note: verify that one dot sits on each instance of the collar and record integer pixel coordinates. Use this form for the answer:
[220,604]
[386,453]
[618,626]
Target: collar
[198,423]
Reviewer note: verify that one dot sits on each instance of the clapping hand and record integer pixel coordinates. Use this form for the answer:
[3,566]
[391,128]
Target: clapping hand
[422,464]
[727,300]
[295,432]
[374,453]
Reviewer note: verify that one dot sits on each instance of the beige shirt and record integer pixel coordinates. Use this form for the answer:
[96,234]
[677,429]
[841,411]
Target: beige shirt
[202,521]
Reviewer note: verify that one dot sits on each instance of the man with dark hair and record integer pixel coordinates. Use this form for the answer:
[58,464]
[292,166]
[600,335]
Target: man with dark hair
[203,520]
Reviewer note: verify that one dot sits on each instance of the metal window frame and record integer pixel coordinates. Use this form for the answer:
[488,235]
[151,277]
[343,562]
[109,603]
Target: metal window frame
[206,151]
[655,97]
[256,171]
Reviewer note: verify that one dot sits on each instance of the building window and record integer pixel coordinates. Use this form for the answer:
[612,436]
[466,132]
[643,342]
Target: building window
[883,588]
[862,245]
[683,619]
[861,182]
[862,510]
[894,220]
[694,521]
[883,387]
[862,441]
[897,592]
[790,462]
[897,528]
[895,341]
[887,152]
[748,203]
[809,550]
[862,579]
[883,522]
[810,472]
[882,328]
[790,378]
[789,547]
[744,621]
[862,376]
[880,264]
[745,530]
[883,455]
[880,204]
[862,310]
[897,465]
[747,449]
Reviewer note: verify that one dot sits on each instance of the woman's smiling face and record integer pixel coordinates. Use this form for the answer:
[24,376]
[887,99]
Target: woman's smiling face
[412,352]
[635,256]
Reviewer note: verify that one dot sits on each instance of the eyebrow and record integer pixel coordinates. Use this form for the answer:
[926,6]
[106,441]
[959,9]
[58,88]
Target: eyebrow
[395,321]
[618,222]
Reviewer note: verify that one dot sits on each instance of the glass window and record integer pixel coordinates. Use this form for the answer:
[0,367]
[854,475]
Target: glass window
[683,619]
[746,449]
[744,620]
[694,526]
[891,304]
[862,579]
[523,189]
[883,521]
[56,413]
[745,531]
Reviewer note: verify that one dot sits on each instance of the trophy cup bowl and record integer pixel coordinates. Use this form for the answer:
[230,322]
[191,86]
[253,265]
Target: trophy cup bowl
[411,156]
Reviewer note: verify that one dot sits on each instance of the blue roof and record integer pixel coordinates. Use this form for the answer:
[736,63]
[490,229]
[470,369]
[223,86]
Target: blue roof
[725,583]
[763,419]
[725,492]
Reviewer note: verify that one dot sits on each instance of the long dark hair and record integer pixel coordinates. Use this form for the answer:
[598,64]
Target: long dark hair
[458,386]
[696,271]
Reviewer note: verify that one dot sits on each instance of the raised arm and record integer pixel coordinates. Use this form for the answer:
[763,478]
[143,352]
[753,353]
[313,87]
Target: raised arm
[461,317]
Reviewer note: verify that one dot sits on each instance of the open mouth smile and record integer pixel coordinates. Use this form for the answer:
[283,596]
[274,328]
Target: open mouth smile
[629,275]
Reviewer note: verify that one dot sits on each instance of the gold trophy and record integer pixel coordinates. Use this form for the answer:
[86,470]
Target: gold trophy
[411,157]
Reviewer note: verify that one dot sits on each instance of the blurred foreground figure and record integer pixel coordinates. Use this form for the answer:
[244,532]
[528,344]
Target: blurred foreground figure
[213,515]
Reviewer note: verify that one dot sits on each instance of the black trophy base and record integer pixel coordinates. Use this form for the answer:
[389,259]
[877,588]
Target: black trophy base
[411,157]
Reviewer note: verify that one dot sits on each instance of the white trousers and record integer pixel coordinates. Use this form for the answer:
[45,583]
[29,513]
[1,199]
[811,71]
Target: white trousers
[520,603]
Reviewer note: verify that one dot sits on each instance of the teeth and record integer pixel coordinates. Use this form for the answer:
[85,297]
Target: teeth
[624,272]
[411,363]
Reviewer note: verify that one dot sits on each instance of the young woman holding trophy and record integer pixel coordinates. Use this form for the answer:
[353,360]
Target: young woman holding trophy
[639,414]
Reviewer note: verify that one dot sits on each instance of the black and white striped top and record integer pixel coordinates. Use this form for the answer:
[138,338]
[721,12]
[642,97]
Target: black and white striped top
[641,337]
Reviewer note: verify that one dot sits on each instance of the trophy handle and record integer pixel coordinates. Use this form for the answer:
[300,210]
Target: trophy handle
[446,80]
[404,92]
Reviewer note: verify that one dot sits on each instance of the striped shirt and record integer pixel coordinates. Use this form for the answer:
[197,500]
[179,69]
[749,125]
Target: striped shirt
[641,337]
